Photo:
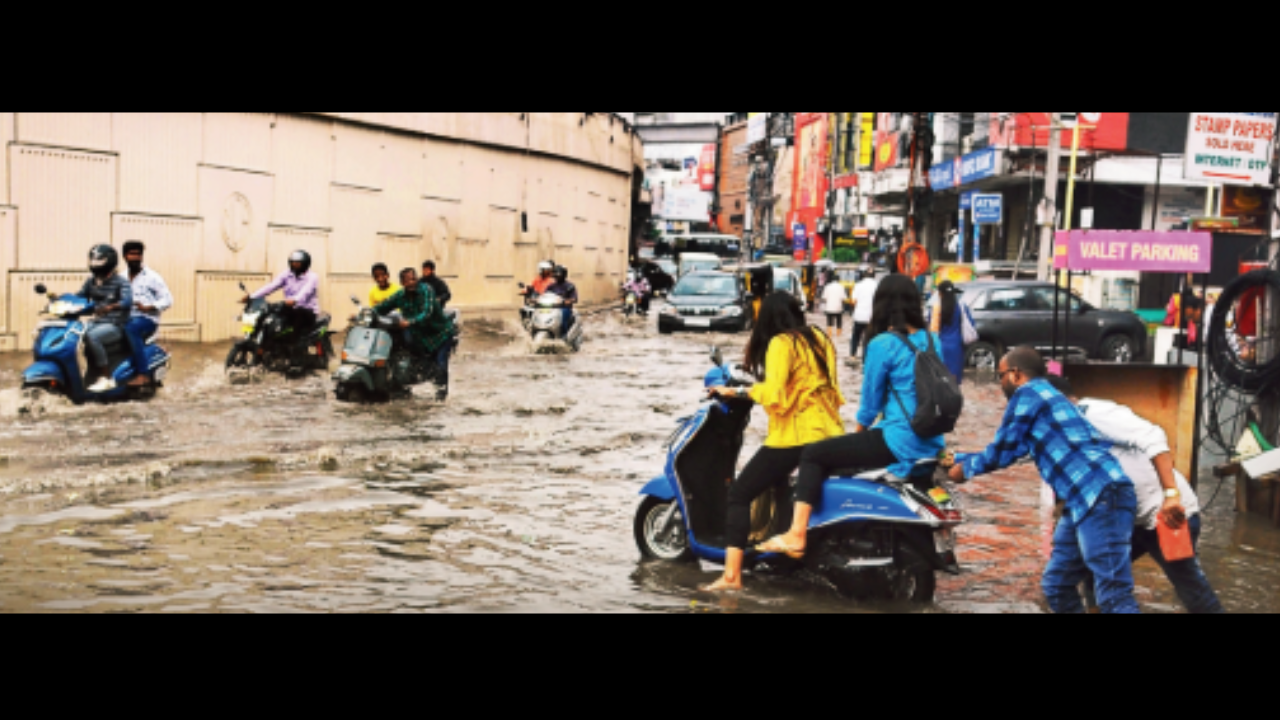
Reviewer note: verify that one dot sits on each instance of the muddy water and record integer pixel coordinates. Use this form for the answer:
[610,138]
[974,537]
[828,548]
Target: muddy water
[516,495]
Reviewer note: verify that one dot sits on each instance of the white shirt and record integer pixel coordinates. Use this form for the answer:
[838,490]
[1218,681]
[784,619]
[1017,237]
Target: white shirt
[864,295]
[149,289]
[833,297]
[1137,442]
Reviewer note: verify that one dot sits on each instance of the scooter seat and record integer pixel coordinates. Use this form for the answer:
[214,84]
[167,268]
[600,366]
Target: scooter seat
[322,320]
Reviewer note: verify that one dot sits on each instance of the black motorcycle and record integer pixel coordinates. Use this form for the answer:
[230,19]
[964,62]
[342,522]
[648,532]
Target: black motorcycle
[273,344]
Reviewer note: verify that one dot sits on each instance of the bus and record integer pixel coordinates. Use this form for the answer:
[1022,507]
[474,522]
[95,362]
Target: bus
[728,247]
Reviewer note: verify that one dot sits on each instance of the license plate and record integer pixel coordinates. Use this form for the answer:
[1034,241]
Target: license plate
[698,322]
[945,541]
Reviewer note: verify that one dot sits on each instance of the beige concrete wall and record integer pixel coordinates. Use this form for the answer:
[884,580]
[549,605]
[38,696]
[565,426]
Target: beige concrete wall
[220,197]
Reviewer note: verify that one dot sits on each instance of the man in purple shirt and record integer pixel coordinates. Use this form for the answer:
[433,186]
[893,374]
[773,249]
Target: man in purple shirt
[301,292]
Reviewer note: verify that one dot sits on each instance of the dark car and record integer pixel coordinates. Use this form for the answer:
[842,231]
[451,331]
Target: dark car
[661,280]
[710,301]
[1009,314]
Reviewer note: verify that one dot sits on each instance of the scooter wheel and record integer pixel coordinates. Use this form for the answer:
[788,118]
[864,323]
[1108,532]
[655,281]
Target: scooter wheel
[654,546]
[912,578]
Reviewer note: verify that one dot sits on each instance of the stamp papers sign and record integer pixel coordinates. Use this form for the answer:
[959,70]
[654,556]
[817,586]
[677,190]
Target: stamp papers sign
[1164,252]
[1231,147]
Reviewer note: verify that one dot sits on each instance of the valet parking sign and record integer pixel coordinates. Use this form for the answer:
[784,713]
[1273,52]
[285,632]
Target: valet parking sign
[1160,252]
[1231,148]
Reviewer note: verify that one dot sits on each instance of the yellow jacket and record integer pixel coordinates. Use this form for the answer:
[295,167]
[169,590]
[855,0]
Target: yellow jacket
[377,296]
[803,407]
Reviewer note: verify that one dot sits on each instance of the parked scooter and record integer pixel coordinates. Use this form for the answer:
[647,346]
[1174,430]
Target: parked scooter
[61,365]
[543,318]
[271,343]
[873,536]
[375,363]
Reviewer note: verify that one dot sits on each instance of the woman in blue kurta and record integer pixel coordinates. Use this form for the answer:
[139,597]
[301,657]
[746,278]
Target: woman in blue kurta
[898,319]
[946,319]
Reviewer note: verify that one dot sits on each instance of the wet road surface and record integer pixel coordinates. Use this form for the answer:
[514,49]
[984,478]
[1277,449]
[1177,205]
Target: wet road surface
[516,495]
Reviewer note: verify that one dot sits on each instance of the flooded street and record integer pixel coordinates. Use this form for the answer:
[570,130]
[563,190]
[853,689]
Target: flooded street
[516,495]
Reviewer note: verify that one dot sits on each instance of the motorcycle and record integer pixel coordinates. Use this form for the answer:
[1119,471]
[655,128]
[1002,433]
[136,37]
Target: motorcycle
[271,343]
[375,363]
[632,302]
[873,536]
[543,318]
[60,363]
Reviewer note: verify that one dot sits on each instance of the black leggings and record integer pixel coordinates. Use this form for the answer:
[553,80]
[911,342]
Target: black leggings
[864,451]
[767,469]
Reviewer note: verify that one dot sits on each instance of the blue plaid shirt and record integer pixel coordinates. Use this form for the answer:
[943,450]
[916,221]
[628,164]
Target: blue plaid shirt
[1071,455]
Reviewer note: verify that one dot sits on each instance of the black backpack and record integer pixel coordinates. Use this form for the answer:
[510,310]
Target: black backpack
[940,401]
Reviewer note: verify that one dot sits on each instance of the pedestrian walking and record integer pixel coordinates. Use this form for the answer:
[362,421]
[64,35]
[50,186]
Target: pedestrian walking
[1096,531]
[864,298]
[947,318]
[834,298]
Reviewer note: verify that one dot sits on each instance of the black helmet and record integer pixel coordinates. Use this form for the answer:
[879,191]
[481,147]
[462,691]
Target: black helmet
[561,273]
[103,261]
[301,256]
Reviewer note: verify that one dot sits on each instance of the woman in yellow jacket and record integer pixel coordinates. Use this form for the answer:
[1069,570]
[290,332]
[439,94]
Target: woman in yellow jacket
[800,393]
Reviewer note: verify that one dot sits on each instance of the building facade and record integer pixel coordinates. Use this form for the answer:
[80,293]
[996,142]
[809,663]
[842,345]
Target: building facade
[224,198]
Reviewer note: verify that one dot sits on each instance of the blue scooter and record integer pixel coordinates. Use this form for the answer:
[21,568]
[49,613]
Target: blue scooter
[873,536]
[60,359]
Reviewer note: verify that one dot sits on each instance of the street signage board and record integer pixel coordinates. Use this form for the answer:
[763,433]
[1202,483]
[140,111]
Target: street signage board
[1125,251]
[1230,147]
[966,200]
[988,209]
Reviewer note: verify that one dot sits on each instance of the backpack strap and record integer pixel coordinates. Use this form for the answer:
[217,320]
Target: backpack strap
[915,351]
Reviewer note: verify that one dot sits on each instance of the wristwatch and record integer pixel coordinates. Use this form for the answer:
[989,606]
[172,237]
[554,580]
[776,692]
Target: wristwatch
[1172,494]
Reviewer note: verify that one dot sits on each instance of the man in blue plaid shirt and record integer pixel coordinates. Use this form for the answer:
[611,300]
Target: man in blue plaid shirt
[1073,458]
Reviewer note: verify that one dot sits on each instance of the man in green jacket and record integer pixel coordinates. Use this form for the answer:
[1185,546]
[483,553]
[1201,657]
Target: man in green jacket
[427,330]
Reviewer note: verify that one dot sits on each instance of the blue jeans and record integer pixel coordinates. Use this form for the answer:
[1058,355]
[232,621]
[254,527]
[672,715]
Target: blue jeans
[98,337]
[1099,544]
[139,330]
[442,360]
[1187,577]
[566,322]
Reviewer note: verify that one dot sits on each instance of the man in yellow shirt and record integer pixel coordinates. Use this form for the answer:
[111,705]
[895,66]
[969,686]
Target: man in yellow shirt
[384,288]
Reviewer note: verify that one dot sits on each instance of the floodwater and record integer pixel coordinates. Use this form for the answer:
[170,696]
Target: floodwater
[516,495]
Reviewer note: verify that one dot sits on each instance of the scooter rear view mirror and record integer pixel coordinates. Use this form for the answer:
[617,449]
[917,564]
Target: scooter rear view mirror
[717,357]
[41,289]
[355,300]
[243,288]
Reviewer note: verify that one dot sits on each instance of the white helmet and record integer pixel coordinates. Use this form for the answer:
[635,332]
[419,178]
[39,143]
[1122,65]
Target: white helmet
[546,266]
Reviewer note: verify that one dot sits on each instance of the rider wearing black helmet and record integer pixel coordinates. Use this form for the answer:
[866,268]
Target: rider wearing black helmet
[301,291]
[567,292]
[112,296]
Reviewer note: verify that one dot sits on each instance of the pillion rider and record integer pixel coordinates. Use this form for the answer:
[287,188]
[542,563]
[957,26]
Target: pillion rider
[151,298]
[428,331]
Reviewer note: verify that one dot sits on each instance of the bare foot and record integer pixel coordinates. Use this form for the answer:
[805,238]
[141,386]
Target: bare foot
[722,587]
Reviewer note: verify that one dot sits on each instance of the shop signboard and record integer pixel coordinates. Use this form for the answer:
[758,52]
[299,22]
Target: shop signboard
[800,241]
[845,182]
[757,127]
[686,203]
[1230,147]
[1099,131]
[988,209]
[1250,206]
[707,169]
[944,176]
[1126,251]
[979,166]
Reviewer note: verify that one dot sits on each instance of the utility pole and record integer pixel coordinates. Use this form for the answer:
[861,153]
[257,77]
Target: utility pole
[1050,204]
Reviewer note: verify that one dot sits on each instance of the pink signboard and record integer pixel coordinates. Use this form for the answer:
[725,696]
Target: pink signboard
[1134,251]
